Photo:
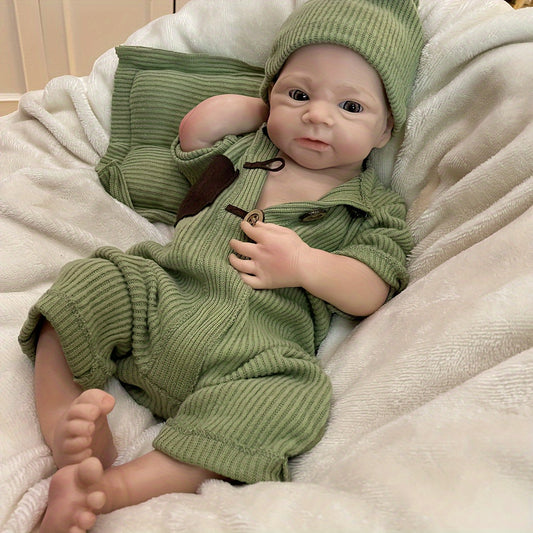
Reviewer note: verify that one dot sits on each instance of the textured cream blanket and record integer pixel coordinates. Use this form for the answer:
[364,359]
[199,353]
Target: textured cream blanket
[432,423]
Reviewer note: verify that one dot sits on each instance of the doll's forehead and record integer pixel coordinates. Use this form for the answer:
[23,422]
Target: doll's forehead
[341,68]
[328,56]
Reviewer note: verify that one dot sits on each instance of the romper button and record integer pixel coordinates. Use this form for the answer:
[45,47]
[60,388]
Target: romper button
[255,216]
[312,216]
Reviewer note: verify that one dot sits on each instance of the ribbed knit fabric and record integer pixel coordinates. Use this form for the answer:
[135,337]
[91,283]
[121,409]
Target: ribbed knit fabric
[231,369]
[153,91]
[387,33]
[83,285]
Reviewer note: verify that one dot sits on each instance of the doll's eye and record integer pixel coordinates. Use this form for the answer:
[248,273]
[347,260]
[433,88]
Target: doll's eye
[298,94]
[351,106]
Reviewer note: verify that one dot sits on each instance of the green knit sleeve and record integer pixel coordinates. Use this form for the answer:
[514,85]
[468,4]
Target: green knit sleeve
[193,164]
[382,240]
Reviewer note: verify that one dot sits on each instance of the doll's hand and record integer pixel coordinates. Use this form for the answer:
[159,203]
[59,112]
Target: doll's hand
[275,257]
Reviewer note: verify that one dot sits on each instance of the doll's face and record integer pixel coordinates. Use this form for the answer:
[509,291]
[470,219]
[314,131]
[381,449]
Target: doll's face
[328,109]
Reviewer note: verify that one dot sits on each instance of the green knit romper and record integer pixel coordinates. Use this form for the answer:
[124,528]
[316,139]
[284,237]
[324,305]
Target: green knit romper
[232,370]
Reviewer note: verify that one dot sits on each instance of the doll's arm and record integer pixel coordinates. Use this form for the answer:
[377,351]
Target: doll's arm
[218,116]
[369,267]
[345,283]
[278,258]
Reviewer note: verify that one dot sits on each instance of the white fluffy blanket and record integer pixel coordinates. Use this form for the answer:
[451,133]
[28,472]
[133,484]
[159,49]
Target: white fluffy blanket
[432,422]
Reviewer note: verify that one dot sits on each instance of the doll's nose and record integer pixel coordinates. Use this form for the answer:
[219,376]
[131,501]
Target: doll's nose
[318,113]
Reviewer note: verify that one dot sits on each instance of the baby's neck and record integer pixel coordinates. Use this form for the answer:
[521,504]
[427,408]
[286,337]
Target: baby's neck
[298,184]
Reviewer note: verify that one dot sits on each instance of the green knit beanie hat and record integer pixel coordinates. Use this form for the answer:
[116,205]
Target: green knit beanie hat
[387,33]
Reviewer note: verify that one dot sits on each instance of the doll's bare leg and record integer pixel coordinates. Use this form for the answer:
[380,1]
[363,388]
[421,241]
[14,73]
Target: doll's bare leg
[78,493]
[73,422]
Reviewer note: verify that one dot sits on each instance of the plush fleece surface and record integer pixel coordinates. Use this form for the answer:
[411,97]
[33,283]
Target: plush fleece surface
[432,421]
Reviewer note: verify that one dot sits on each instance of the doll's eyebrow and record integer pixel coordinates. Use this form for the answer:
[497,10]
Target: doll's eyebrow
[294,79]
[357,91]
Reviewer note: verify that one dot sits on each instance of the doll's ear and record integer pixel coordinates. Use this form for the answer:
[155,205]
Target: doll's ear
[390,122]
[271,85]
[387,133]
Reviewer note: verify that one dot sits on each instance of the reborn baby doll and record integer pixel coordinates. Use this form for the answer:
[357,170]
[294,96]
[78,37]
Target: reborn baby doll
[217,331]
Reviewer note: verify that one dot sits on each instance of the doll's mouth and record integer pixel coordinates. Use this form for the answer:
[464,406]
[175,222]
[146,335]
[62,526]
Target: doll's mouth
[312,144]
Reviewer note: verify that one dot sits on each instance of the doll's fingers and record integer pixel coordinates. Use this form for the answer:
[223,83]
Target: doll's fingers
[253,231]
[252,281]
[243,266]
[244,249]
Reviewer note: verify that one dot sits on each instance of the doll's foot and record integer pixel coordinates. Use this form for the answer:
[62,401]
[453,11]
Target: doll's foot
[75,498]
[83,430]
